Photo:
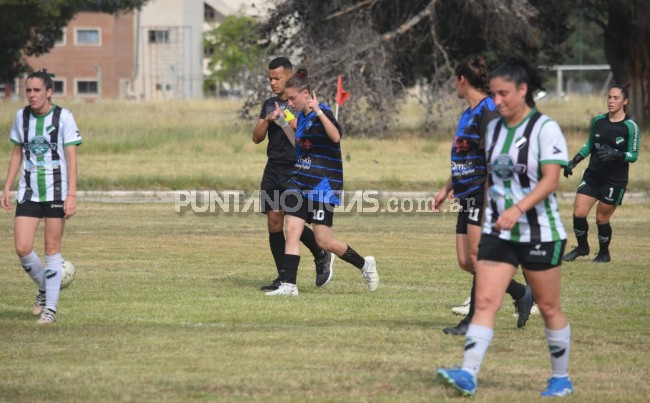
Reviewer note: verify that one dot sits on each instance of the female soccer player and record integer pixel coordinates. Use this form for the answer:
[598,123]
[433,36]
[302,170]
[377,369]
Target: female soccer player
[525,152]
[613,144]
[315,186]
[281,159]
[45,140]
[467,181]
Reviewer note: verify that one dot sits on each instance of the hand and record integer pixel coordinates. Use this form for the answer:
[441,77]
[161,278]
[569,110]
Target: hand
[274,115]
[607,154]
[438,201]
[4,201]
[568,170]
[279,119]
[508,219]
[70,206]
[313,103]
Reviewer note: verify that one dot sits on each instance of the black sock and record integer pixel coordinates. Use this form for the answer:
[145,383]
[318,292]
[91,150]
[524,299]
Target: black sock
[289,272]
[309,240]
[353,258]
[604,236]
[516,290]
[472,302]
[276,242]
[581,229]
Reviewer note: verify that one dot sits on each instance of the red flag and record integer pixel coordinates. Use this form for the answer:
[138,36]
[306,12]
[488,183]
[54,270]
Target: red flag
[341,94]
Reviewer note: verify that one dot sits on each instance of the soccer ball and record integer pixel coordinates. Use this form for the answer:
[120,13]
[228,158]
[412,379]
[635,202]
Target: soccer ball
[68,274]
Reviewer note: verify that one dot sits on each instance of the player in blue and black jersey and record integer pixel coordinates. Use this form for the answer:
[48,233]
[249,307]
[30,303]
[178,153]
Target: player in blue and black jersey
[315,186]
[467,183]
[281,159]
[613,144]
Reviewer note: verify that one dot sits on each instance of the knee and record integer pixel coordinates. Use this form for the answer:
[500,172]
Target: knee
[275,223]
[549,309]
[324,242]
[23,250]
[602,218]
[486,302]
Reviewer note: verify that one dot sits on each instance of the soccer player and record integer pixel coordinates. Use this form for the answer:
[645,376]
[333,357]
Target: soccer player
[467,182]
[613,144]
[281,159]
[315,186]
[45,138]
[526,151]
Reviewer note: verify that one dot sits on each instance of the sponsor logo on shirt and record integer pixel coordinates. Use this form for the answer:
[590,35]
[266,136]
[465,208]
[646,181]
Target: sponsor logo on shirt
[304,163]
[40,146]
[504,168]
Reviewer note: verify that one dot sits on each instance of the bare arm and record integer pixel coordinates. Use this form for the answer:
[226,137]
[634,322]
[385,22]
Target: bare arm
[442,195]
[331,130]
[259,133]
[14,165]
[70,203]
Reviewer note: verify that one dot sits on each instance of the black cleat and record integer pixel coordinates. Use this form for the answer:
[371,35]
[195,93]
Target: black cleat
[460,329]
[575,253]
[324,268]
[603,257]
[524,305]
[273,286]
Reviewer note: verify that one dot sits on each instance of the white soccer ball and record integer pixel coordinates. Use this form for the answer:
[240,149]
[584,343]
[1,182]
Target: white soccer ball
[68,274]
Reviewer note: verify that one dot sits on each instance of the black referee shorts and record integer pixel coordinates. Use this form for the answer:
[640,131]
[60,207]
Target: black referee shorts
[274,183]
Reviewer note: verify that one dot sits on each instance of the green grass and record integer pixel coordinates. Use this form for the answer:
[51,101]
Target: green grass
[205,145]
[166,307]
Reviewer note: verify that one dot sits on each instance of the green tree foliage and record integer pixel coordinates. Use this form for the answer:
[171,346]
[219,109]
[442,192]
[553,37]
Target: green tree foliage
[235,50]
[31,27]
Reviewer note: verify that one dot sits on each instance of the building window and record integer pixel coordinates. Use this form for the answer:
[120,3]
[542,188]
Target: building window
[59,87]
[87,36]
[87,88]
[158,36]
[62,41]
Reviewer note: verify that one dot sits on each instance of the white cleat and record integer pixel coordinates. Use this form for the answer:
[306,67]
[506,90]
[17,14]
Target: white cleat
[39,304]
[288,289]
[47,316]
[463,309]
[370,273]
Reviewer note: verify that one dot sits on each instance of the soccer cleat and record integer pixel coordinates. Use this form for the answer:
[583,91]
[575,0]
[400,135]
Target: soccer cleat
[39,303]
[558,387]
[524,306]
[370,274]
[533,311]
[47,316]
[288,289]
[462,309]
[603,257]
[273,286]
[575,253]
[324,269]
[459,379]
[460,329]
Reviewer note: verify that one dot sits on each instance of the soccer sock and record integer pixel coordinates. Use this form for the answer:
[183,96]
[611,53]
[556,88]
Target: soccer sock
[352,257]
[604,236]
[276,242]
[309,240]
[472,301]
[516,290]
[559,343]
[34,268]
[581,230]
[289,272]
[53,274]
[477,341]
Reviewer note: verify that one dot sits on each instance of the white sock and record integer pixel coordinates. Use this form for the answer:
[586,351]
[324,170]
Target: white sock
[559,343]
[477,341]
[53,274]
[34,268]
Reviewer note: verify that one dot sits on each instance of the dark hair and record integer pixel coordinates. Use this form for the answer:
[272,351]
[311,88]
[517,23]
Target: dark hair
[43,75]
[299,80]
[474,70]
[623,88]
[519,71]
[280,62]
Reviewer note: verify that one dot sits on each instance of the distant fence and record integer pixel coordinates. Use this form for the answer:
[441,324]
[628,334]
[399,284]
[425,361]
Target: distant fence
[560,69]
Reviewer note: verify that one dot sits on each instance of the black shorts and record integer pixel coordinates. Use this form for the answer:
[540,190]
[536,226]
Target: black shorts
[51,209]
[313,212]
[472,214]
[604,192]
[274,183]
[532,256]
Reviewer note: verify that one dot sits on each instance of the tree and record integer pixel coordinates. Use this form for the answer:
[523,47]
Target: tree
[31,27]
[383,47]
[235,51]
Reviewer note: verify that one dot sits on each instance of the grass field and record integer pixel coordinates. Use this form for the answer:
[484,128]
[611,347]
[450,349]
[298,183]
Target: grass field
[166,307]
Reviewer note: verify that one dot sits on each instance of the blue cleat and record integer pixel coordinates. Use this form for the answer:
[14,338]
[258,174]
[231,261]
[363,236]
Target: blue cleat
[459,379]
[558,387]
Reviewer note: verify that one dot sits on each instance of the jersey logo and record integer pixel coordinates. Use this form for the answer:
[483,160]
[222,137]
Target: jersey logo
[461,146]
[505,169]
[40,146]
[556,150]
[619,140]
[520,142]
